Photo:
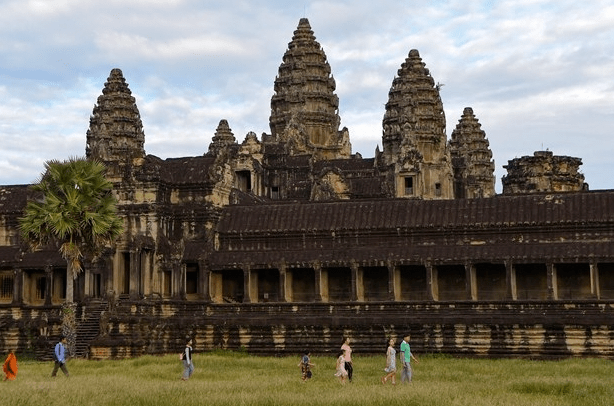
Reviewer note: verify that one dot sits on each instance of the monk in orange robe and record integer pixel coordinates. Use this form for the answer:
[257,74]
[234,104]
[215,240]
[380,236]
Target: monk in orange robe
[10,367]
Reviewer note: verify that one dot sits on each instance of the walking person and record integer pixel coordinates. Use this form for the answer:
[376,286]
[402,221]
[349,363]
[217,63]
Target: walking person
[340,370]
[406,357]
[59,356]
[188,365]
[10,367]
[347,356]
[391,364]
[305,365]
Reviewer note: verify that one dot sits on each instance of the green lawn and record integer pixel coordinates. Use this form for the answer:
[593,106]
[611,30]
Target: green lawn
[234,378]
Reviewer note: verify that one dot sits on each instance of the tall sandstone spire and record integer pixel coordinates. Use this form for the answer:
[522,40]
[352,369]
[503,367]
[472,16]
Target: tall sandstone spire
[414,137]
[474,168]
[304,108]
[116,135]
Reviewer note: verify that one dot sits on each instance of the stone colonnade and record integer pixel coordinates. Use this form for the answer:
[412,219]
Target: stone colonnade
[474,281]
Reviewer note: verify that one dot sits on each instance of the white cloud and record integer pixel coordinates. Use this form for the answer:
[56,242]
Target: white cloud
[535,71]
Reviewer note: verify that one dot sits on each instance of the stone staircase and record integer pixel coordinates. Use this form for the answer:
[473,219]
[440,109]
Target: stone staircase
[88,325]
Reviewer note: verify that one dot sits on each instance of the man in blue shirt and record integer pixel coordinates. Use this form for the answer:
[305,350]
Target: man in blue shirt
[59,356]
[406,357]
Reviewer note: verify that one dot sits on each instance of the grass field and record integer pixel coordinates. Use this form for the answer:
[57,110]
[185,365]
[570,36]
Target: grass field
[234,378]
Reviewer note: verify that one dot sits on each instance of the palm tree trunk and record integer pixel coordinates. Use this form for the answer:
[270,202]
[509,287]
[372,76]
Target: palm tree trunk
[69,322]
[70,283]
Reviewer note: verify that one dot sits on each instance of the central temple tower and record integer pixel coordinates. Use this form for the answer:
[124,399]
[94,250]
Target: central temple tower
[116,136]
[304,108]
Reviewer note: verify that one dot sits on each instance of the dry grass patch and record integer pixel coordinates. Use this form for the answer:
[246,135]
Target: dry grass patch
[231,378]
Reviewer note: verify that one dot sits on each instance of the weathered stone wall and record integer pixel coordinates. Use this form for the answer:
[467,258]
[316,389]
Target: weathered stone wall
[520,329]
[30,330]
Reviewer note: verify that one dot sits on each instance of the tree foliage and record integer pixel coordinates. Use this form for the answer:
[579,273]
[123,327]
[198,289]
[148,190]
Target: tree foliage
[74,210]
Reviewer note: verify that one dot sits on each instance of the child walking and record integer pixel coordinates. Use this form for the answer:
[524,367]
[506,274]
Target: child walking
[305,365]
[341,372]
[391,364]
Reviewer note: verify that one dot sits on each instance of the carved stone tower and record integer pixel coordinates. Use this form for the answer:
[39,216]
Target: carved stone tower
[474,168]
[222,139]
[414,137]
[304,108]
[543,172]
[116,135]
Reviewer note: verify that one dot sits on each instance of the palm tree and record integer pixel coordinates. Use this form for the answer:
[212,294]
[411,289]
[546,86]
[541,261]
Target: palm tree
[74,210]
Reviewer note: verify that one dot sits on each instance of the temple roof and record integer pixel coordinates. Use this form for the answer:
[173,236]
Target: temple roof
[189,170]
[411,232]
[13,198]
[564,208]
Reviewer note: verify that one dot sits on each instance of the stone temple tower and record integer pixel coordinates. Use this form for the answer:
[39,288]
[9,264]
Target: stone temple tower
[414,137]
[474,168]
[116,135]
[304,108]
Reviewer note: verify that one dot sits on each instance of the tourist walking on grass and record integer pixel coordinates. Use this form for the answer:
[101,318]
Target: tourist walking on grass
[59,357]
[305,365]
[341,372]
[406,357]
[10,367]
[391,364]
[188,365]
[347,356]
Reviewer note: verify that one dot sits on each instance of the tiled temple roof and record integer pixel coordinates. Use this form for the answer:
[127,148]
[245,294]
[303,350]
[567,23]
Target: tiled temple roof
[190,170]
[372,232]
[346,164]
[13,198]
[546,209]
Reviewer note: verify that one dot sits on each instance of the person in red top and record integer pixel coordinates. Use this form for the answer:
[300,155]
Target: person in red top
[10,367]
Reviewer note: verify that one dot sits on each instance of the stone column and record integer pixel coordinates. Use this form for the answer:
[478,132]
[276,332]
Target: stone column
[321,285]
[394,282]
[285,283]
[553,293]
[471,281]
[317,272]
[594,271]
[134,277]
[182,284]
[247,286]
[178,278]
[204,290]
[431,282]
[146,272]
[48,282]
[358,291]
[87,279]
[510,280]
[17,286]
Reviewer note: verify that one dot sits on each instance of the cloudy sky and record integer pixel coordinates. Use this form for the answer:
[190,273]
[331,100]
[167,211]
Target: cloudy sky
[539,74]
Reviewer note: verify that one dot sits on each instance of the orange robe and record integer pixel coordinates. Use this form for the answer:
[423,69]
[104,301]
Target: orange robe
[10,367]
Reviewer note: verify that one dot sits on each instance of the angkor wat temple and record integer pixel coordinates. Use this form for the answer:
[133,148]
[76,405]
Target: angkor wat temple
[289,241]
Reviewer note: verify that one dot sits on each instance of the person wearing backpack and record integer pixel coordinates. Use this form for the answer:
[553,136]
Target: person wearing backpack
[188,365]
[59,357]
